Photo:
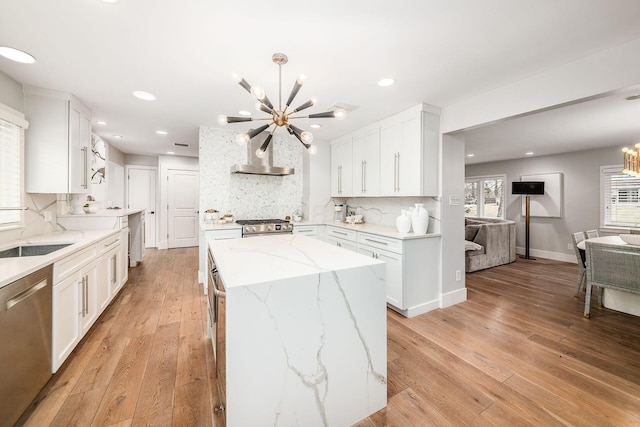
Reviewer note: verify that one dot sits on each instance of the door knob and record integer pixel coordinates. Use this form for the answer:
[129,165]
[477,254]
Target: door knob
[152,212]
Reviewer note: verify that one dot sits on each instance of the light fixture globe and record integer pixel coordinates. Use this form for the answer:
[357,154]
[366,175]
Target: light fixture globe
[280,117]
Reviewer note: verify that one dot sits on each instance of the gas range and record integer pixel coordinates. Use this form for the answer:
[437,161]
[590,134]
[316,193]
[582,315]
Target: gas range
[264,227]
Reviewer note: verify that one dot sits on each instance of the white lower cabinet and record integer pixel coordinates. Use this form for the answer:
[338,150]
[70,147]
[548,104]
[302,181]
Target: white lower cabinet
[306,230]
[394,272]
[413,266]
[124,259]
[84,284]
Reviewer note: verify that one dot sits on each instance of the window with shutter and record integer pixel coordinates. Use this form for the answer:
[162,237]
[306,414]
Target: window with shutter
[11,139]
[620,198]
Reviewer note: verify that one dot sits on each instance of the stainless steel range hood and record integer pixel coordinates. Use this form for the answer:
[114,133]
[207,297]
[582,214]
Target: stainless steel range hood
[260,166]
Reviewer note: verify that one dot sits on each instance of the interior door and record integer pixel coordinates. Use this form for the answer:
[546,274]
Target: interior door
[183,190]
[142,195]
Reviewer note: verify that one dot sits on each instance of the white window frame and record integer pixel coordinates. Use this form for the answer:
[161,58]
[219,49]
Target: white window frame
[16,118]
[480,201]
[605,170]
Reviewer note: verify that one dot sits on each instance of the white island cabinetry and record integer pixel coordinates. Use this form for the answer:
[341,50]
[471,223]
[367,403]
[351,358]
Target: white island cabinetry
[304,332]
[57,143]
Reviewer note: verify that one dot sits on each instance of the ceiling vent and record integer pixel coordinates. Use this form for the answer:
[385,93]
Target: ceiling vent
[180,144]
[346,107]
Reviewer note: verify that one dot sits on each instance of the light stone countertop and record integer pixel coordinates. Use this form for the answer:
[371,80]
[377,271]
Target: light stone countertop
[12,269]
[382,230]
[103,213]
[279,257]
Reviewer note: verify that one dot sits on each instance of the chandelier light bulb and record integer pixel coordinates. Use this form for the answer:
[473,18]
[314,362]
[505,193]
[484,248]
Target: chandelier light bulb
[236,78]
[257,92]
[259,153]
[301,78]
[307,137]
[242,138]
[312,150]
[339,113]
[222,119]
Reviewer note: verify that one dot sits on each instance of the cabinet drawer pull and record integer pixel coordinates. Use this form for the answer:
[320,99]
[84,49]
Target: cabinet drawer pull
[106,245]
[376,241]
[339,232]
[305,231]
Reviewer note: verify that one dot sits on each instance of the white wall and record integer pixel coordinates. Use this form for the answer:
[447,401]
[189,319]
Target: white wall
[581,202]
[248,196]
[140,160]
[602,72]
[11,93]
[317,205]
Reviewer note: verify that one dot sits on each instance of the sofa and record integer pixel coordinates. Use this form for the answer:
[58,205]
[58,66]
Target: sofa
[489,242]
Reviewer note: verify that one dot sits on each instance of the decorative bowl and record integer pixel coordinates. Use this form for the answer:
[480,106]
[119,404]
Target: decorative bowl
[631,239]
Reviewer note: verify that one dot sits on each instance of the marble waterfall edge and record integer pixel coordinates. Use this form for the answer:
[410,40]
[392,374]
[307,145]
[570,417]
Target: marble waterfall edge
[309,350]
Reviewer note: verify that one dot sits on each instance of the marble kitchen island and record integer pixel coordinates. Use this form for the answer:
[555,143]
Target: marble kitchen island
[305,332]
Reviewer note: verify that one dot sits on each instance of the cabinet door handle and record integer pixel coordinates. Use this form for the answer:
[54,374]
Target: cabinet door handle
[362,176]
[376,241]
[398,172]
[339,179]
[86,296]
[112,243]
[364,180]
[114,269]
[339,232]
[395,172]
[85,168]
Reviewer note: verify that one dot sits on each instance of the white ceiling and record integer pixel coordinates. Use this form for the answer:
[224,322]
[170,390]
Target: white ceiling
[184,52]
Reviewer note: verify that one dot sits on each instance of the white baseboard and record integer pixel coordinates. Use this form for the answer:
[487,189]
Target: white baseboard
[453,298]
[556,256]
[418,309]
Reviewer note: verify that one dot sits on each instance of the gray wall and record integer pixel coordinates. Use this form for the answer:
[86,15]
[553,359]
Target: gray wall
[581,201]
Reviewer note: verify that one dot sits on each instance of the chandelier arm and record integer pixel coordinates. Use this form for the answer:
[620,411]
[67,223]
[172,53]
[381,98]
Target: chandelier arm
[326,114]
[294,133]
[245,85]
[239,119]
[294,91]
[253,132]
[304,106]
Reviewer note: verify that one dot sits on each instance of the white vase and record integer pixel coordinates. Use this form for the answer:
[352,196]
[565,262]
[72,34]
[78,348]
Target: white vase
[420,219]
[403,222]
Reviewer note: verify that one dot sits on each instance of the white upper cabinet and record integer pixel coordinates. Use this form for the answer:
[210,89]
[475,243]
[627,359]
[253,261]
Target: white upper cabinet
[57,143]
[409,153]
[342,168]
[397,156]
[366,163]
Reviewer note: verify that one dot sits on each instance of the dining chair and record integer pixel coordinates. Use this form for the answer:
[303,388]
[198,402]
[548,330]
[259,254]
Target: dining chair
[592,233]
[581,257]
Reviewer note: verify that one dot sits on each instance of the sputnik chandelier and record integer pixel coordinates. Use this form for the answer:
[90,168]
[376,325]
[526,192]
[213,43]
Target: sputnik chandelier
[631,161]
[280,117]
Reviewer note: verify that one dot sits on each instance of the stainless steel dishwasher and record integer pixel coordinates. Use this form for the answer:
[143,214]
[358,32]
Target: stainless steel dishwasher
[25,342]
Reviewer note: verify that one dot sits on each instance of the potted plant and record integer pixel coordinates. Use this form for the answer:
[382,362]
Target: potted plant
[228,217]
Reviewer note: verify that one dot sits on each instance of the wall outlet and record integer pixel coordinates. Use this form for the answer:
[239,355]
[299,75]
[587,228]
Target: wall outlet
[47,216]
[458,275]
[570,246]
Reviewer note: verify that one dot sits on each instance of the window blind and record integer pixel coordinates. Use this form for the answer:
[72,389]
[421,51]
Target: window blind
[10,173]
[621,198]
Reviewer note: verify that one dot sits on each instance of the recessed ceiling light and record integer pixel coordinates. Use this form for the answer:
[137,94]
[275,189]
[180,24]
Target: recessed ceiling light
[529,153]
[16,55]
[145,96]
[386,82]
[117,136]
[162,132]
[171,152]
[101,122]
[633,97]
[244,113]
[470,155]
[315,126]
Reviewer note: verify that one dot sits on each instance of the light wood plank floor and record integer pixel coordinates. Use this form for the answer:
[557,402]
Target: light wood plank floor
[517,353]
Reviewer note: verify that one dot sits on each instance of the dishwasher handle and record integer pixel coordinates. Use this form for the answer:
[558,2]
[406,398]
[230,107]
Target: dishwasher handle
[21,296]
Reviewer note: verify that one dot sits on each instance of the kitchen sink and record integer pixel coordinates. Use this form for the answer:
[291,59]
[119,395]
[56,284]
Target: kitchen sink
[31,250]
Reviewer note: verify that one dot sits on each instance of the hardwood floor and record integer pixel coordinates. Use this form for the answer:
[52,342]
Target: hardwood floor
[517,353]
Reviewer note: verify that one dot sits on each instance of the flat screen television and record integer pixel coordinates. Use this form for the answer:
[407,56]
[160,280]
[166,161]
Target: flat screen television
[527,187]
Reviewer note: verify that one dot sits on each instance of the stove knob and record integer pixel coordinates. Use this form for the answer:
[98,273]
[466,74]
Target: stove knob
[269,228]
[254,228]
[247,228]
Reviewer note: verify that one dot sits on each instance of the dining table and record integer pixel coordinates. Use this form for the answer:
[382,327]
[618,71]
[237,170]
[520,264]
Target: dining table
[609,240]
